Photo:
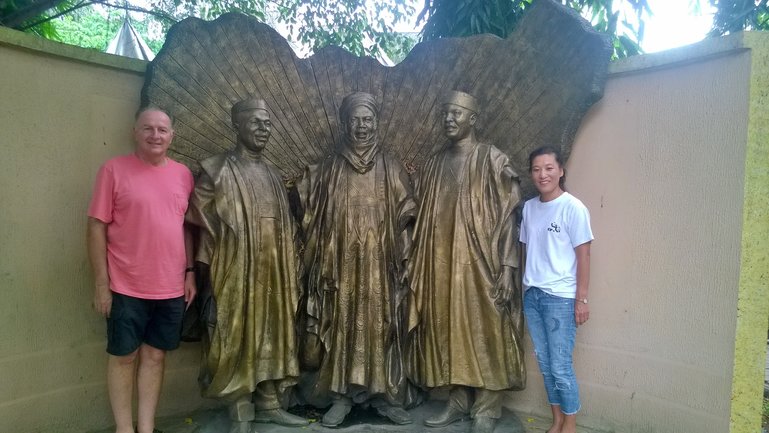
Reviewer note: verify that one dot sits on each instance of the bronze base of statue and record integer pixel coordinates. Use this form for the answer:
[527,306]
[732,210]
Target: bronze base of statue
[358,420]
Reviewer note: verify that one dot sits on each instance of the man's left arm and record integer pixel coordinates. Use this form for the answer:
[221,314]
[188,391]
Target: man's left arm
[190,290]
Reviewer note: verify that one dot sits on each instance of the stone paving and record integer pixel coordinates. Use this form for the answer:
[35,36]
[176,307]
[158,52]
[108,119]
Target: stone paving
[216,421]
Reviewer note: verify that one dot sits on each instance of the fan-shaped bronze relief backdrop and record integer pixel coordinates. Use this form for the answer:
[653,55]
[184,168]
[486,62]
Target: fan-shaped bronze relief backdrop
[534,87]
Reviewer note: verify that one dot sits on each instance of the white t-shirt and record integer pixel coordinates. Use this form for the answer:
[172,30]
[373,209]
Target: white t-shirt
[551,230]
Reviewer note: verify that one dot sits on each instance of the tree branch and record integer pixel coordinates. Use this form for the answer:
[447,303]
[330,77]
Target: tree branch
[54,16]
[158,14]
[16,18]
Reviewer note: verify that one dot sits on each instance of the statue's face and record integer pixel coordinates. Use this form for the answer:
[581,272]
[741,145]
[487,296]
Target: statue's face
[254,129]
[361,124]
[153,134]
[457,121]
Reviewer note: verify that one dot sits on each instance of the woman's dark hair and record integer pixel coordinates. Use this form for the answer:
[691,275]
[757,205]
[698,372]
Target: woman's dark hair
[550,150]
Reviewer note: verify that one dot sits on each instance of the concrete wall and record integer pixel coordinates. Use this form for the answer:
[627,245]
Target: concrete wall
[60,118]
[679,263]
[659,163]
[677,280]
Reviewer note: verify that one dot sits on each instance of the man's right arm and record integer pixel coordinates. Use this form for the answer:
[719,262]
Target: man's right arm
[97,253]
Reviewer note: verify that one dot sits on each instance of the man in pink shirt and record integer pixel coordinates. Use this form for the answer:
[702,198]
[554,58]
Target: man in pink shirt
[141,255]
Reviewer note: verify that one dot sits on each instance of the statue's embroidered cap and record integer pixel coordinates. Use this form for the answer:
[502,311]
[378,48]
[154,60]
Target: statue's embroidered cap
[354,100]
[462,99]
[249,104]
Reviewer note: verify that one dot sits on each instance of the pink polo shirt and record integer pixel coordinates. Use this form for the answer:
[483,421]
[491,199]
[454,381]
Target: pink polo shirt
[143,207]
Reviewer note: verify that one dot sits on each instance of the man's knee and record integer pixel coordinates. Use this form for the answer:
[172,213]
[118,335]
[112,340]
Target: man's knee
[151,355]
[124,360]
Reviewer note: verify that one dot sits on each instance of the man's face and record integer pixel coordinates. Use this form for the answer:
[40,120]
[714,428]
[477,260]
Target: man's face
[153,134]
[457,121]
[361,124]
[254,128]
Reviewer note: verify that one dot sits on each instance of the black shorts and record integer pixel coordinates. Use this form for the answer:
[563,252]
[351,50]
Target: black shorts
[133,321]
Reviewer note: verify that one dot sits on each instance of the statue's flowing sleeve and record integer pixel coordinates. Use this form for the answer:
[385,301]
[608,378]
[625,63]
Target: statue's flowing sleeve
[202,213]
[509,250]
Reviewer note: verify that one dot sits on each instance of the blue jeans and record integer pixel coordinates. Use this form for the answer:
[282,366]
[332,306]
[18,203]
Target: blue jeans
[552,327]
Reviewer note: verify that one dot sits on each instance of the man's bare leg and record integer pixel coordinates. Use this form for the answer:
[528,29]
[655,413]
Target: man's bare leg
[558,419]
[149,380]
[120,384]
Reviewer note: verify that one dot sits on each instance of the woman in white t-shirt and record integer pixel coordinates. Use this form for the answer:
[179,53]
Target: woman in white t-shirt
[556,235]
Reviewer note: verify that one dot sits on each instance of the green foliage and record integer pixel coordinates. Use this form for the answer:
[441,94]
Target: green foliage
[398,46]
[448,18]
[765,414]
[176,10]
[453,18]
[361,28]
[155,42]
[736,15]
[34,16]
[606,16]
[88,28]
[364,27]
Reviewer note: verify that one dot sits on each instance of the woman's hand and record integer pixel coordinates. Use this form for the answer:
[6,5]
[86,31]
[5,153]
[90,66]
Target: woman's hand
[581,312]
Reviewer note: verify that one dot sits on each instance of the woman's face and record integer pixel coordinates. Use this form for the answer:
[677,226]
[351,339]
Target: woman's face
[546,174]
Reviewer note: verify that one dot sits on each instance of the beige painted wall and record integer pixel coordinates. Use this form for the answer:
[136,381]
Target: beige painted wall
[60,118]
[659,161]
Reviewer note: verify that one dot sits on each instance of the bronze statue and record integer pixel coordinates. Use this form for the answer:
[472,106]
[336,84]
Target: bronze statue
[465,318]
[247,242]
[358,211]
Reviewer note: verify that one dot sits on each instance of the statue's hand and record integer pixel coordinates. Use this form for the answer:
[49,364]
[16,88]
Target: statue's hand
[403,274]
[400,295]
[504,287]
[403,283]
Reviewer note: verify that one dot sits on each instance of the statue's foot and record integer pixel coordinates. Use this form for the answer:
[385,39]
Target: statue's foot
[279,416]
[483,424]
[448,416]
[240,427]
[241,410]
[395,414]
[337,413]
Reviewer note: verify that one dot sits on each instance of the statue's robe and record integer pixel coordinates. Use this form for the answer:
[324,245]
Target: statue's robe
[247,238]
[357,221]
[464,234]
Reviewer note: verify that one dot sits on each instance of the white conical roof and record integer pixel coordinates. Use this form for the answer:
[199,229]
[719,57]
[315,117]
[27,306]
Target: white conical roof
[128,43]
